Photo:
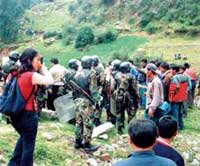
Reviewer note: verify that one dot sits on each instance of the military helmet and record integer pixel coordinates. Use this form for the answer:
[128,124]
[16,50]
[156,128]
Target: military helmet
[73,64]
[14,56]
[125,67]
[116,65]
[86,62]
[95,60]
[9,66]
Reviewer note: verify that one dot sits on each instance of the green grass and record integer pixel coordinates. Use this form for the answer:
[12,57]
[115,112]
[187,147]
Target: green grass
[126,44]
[51,16]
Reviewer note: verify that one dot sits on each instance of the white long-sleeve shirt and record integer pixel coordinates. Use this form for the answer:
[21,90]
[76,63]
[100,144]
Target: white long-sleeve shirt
[154,94]
[58,72]
[42,78]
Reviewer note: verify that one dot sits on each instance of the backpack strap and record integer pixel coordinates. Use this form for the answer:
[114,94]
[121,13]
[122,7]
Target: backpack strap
[32,91]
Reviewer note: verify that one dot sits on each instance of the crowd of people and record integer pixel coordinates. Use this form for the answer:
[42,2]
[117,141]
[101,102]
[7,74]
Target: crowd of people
[164,91]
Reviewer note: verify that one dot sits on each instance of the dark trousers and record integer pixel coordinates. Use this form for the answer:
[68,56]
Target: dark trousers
[26,124]
[52,96]
[156,115]
[177,113]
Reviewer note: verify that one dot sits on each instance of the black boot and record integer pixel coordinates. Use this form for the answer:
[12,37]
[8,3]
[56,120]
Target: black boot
[90,148]
[97,122]
[120,130]
[78,144]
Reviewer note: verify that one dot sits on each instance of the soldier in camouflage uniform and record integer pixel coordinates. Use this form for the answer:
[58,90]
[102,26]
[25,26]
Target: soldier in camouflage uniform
[98,70]
[73,67]
[126,96]
[85,110]
[111,112]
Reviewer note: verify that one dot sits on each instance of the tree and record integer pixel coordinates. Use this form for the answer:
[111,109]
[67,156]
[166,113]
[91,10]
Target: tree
[10,14]
[85,37]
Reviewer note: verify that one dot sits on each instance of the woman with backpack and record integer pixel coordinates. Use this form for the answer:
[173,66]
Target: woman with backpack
[31,73]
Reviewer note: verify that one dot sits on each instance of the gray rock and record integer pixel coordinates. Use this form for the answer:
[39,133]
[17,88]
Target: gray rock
[104,137]
[106,127]
[195,162]
[92,162]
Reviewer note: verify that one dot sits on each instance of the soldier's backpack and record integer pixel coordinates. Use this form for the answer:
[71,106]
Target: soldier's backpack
[11,101]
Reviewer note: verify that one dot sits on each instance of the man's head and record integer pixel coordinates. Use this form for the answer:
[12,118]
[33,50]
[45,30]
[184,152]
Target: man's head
[167,127]
[164,67]
[187,65]
[143,63]
[142,133]
[174,68]
[151,70]
[54,61]
[181,69]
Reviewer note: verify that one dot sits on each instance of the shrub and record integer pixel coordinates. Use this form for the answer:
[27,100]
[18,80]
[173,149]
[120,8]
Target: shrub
[69,33]
[193,31]
[181,30]
[152,28]
[108,2]
[121,54]
[84,38]
[50,34]
[131,21]
[106,37]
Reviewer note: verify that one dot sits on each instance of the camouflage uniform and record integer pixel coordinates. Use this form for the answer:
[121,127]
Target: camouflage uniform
[126,98]
[41,98]
[98,79]
[69,75]
[84,120]
[85,111]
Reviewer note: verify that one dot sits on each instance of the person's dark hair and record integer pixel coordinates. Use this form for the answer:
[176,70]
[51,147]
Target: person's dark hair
[131,61]
[187,65]
[143,133]
[54,61]
[164,65]
[175,67]
[167,126]
[144,60]
[153,61]
[182,67]
[26,59]
[158,63]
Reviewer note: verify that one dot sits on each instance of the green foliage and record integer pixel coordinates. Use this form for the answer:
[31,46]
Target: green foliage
[108,2]
[152,28]
[52,34]
[10,14]
[121,54]
[106,37]
[131,21]
[84,38]
[68,34]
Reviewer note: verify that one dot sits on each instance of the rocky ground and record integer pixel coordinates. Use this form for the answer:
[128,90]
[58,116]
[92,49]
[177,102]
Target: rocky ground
[55,145]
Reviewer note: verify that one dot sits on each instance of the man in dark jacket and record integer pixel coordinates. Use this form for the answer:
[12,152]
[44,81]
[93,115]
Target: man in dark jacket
[143,135]
[168,129]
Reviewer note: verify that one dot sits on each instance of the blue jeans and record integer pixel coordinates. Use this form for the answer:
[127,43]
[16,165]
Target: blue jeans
[177,110]
[142,96]
[26,125]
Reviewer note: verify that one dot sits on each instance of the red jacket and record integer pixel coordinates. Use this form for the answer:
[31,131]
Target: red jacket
[178,93]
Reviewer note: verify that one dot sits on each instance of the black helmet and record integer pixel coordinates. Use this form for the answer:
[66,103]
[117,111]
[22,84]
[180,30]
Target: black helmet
[116,65]
[14,56]
[73,64]
[125,67]
[9,66]
[86,62]
[95,60]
